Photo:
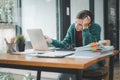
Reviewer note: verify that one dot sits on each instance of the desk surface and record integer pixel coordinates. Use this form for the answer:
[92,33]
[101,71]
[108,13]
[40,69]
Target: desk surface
[70,63]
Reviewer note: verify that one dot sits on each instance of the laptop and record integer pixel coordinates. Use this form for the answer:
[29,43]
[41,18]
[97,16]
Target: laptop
[39,43]
[37,39]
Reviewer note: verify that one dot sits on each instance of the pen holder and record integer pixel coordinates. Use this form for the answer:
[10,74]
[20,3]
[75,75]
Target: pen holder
[10,47]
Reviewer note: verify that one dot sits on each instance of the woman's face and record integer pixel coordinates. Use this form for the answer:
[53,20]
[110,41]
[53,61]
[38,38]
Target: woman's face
[78,24]
[82,23]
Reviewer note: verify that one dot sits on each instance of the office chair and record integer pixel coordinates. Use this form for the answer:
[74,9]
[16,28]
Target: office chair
[101,73]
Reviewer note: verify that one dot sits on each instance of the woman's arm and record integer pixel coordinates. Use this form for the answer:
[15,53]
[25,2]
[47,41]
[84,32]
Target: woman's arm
[91,34]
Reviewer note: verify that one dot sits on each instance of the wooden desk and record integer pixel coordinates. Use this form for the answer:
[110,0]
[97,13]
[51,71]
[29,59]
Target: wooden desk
[66,65]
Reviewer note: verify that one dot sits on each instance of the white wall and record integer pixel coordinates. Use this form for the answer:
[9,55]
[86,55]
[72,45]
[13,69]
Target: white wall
[39,14]
[76,6]
[99,17]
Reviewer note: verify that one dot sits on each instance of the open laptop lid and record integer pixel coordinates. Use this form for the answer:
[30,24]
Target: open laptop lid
[37,39]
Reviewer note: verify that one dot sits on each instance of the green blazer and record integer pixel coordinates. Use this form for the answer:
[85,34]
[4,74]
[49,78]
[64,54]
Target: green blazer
[92,34]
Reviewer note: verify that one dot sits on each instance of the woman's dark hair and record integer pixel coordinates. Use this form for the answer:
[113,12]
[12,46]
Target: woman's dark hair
[83,14]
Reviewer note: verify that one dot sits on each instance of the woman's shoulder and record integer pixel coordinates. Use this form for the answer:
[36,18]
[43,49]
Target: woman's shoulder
[95,25]
[72,26]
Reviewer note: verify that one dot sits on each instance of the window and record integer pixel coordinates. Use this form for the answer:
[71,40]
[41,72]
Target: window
[6,11]
[7,22]
[39,14]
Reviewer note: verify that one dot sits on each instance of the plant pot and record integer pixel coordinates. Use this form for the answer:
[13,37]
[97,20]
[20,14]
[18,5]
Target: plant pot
[21,47]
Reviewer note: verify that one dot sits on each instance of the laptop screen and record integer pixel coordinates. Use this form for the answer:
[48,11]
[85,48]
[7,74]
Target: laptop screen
[37,39]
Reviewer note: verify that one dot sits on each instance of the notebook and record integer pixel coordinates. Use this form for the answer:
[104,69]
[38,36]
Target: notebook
[37,39]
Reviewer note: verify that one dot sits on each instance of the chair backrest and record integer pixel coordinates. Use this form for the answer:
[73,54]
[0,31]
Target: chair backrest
[103,72]
[107,43]
[116,52]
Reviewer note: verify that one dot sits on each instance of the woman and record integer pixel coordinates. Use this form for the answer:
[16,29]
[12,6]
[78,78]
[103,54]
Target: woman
[84,31]
[80,33]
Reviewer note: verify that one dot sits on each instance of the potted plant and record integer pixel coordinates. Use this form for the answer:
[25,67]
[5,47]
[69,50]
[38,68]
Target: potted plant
[20,42]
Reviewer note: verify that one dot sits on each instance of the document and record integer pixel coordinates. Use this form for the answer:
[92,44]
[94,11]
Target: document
[101,47]
[86,52]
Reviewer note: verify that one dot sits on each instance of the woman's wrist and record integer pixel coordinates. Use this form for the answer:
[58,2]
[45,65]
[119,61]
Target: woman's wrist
[85,27]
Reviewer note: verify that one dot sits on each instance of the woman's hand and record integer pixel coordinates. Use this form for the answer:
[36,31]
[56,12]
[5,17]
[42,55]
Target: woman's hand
[86,22]
[48,39]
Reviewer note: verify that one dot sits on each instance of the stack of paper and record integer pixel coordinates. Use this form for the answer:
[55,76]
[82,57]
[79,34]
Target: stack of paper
[86,52]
